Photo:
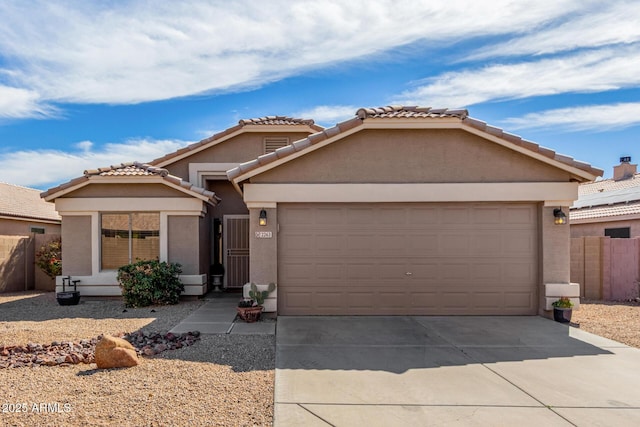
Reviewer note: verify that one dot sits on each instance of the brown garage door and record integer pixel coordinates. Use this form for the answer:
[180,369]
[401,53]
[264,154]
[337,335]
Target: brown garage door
[363,259]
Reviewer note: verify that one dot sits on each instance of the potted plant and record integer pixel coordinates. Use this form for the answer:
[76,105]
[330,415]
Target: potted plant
[562,310]
[249,310]
[217,274]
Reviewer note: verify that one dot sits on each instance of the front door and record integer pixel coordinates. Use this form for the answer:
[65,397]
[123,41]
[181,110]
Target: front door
[236,250]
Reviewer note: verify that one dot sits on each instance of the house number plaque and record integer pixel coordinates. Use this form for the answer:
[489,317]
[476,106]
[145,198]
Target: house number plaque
[264,234]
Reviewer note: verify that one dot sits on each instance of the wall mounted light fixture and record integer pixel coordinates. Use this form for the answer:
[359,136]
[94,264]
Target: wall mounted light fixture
[262,219]
[560,217]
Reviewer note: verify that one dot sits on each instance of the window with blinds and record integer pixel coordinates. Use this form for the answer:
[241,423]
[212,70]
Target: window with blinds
[272,143]
[127,237]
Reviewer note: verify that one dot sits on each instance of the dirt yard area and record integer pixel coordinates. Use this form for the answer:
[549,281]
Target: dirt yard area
[221,380]
[619,321]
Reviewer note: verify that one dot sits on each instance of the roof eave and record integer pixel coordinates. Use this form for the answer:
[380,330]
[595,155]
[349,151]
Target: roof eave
[227,135]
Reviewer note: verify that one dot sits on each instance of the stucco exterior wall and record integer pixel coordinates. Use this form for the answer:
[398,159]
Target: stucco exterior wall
[597,228]
[241,148]
[204,249]
[76,246]
[12,227]
[124,190]
[184,246]
[263,251]
[436,156]
[556,252]
[232,203]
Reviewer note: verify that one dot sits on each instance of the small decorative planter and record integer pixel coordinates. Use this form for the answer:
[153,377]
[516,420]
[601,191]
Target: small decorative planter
[562,315]
[68,297]
[250,314]
[562,310]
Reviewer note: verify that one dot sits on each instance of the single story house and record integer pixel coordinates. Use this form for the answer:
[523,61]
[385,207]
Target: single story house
[609,207]
[399,210]
[23,212]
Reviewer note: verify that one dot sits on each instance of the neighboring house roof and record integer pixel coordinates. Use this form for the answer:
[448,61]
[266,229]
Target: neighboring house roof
[134,170]
[25,203]
[607,198]
[257,124]
[396,115]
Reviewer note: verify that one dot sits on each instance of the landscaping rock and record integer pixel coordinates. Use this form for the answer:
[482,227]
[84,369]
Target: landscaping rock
[114,352]
[67,352]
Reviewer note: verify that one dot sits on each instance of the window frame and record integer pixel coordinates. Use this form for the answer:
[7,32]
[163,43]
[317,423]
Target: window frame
[618,232]
[130,235]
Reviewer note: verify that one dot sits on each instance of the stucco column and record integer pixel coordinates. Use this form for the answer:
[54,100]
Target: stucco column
[263,247]
[555,251]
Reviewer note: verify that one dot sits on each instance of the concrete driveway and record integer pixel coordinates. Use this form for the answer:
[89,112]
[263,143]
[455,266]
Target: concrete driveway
[451,371]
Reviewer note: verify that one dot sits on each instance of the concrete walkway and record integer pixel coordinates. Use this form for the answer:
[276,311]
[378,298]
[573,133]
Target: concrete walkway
[218,316]
[453,371]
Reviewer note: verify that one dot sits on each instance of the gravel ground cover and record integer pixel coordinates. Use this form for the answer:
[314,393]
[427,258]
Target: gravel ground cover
[220,380]
[619,321]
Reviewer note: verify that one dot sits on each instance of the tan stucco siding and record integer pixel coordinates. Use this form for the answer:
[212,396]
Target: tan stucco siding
[76,246]
[240,149]
[124,190]
[394,156]
[183,238]
[597,228]
[232,203]
[204,240]
[12,227]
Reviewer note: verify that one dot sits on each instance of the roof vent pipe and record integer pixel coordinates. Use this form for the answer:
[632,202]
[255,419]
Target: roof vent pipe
[624,170]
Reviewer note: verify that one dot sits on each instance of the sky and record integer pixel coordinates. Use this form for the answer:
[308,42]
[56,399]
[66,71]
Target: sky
[91,84]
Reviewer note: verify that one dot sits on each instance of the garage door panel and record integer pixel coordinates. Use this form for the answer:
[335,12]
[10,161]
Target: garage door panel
[423,259]
[519,243]
[523,215]
[486,272]
[487,215]
[299,242]
[519,272]
[453,244]
[423,215]
[423,270]
[518,300]
[360,271]
[488,300]
[485,244]
[454,271]
[329,243]
[422,243]
[324,216]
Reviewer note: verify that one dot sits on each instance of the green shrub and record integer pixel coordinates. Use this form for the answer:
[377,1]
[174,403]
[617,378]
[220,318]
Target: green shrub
[49,258]
[146,282]
[563,302]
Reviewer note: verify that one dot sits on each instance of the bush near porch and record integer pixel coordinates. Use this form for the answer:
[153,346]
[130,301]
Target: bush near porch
[148,282]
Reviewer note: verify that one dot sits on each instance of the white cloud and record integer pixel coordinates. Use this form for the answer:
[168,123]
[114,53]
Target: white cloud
[588,71]
[591,118]
[606,23]
[16,103]
[328,115]
[55,167]
[128,52]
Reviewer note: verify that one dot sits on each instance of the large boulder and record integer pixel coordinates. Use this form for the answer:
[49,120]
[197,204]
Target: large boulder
[112,352]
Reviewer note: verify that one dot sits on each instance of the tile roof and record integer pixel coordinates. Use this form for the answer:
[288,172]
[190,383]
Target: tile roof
[605,211]
[128,169]
[23,202]
[260,121]
[135,169]
[409,112]
[610,184]
[277,120]
[398,111]
[607,198]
